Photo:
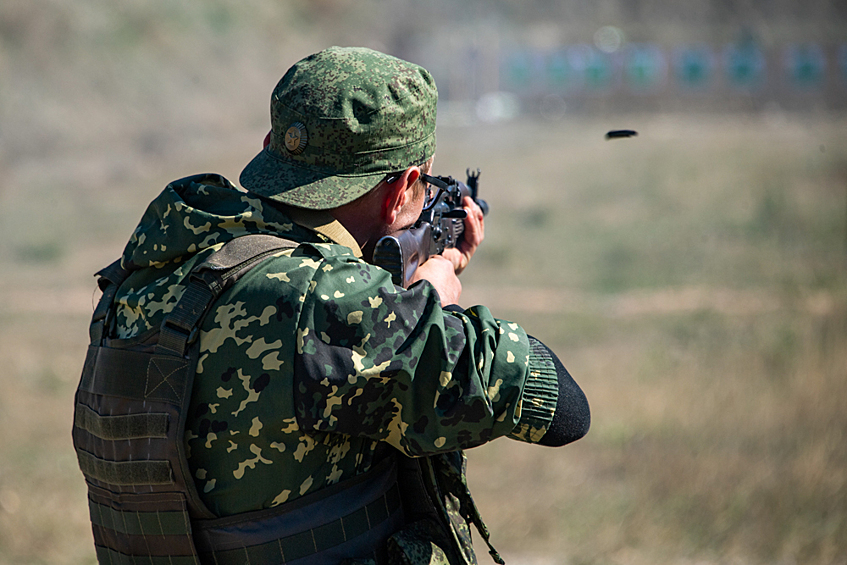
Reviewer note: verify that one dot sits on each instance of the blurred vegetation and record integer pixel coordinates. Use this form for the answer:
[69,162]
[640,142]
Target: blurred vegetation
[693,281]
[692,278]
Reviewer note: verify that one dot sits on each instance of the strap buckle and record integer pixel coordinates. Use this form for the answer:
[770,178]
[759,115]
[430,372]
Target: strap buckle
[169,325]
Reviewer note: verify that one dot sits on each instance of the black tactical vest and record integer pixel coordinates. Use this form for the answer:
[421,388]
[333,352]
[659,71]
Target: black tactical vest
[129,424]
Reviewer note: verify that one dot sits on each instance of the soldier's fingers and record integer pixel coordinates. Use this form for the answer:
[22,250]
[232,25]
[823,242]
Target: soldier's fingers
[457,257]
[439,270]
[474,225]
[472,207]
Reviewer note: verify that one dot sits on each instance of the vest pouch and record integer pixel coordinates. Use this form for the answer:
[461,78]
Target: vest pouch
[149,528]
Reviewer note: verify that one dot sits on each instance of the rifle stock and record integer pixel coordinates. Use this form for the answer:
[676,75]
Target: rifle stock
[401,253]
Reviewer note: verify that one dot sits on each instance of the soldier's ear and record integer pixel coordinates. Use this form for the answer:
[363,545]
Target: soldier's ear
[411,175]
[396,194]
[393,198]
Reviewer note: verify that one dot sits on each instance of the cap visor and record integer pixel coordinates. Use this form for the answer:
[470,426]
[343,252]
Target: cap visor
[288,182]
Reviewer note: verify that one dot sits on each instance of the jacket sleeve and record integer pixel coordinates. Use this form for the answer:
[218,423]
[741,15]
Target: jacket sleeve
[374,360]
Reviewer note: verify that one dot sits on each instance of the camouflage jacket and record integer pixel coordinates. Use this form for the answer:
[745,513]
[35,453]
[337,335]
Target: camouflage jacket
[314,361]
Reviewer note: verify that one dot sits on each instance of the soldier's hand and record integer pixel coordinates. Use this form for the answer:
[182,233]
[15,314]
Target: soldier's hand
[441,273]
[474,233]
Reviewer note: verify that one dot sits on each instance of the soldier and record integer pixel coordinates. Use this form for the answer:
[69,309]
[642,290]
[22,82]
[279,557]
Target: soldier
[257,392]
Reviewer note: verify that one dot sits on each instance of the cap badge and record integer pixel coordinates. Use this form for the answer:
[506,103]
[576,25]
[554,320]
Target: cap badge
[295,138]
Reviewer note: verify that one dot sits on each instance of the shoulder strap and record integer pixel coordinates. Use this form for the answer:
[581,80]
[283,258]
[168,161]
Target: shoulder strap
[207,281]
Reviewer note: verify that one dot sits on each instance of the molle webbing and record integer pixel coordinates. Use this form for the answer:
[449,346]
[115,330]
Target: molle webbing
[125,473]
[141,527]
[130,426]
[316,540]
[125,428]
[128,434]
[105,555]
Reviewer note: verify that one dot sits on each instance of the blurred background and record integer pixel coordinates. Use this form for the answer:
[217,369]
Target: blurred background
[691,278]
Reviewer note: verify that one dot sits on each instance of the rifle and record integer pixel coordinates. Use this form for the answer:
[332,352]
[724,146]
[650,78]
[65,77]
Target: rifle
[439,227]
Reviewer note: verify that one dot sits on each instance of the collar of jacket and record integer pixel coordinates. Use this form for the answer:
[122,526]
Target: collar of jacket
[322,222]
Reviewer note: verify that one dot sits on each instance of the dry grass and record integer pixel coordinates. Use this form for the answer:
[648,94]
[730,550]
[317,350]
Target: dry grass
[715,384]
[714,361]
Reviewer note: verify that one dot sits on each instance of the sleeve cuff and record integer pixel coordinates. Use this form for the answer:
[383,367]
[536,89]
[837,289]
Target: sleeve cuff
[540,395]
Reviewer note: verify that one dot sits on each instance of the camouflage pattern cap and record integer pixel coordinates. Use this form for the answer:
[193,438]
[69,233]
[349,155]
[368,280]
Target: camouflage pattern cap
[341,120]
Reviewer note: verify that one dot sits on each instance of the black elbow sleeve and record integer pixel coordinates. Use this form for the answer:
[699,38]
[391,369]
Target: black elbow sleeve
[573,416]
